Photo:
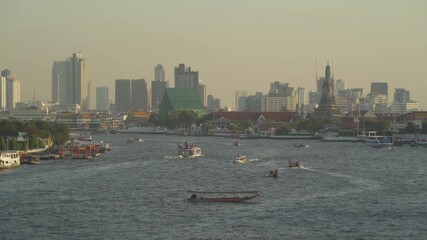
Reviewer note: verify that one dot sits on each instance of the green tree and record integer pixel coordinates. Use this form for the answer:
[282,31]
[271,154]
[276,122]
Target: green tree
[424,127]
[60,133]
[154,120]
[412,128]
[207,128]
[2,144]
[382,127]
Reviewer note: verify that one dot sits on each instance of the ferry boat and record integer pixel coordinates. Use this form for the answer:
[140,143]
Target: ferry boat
[186,150]
[9,159]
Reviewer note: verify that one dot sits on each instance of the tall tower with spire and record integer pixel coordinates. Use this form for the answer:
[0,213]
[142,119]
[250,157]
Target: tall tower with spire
[327,106]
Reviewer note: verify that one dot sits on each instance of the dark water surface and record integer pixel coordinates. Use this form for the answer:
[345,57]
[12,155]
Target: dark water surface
[137,191]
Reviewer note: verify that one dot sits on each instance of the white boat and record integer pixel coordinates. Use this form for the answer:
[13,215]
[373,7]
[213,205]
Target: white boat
[378,142]
[186,150]
[241,159]
[9,159]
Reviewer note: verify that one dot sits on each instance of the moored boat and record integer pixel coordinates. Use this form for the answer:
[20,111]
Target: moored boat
[379,142]
[9,159]
[186,150]
[222,196]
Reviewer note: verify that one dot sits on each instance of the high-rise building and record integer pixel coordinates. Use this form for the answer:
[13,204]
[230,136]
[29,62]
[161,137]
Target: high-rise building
[69,82]
[282,89]
[255,103]
[401,95]
[10,92]
[379,88]
[213,103]
[240,100]
[159,73]
[157,90]
[340,85]
[123,95]
[103,98]
[13,95]
[185,78]
[139,94]
[2,93]
[158,87]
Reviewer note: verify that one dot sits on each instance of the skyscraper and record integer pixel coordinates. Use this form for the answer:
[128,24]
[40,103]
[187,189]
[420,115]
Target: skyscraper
[13,95]
[158,87]
[103,98]
[159,73]
[185,78]
[139,94]
[123,95]
[380,88]
[69,82]
[10,90]
[401,95]
[327,107]
[2,93]
[240,100]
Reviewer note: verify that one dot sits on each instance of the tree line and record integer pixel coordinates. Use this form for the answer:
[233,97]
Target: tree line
[36,132]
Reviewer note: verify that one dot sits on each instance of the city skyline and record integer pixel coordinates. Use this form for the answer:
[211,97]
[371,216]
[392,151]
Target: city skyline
[235,46]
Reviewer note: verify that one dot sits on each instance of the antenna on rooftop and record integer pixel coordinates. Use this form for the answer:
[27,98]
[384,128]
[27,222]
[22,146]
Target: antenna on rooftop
[34,94]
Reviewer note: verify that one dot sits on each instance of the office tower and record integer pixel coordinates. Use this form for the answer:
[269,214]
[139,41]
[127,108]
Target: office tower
[327,107]
[69,82]
[11,90]
[340,85]
[139,94]
[123,95]
[401,95]
[379,88]
[185,78]
[159,73]
[282,89]
[103,98]
[213,103]
[240,100]
[202,93]
[300,99]
[158,87]
[255,103]
[2,93]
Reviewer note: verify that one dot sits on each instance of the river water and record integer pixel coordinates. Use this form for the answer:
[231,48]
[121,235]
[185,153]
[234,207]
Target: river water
[137,191]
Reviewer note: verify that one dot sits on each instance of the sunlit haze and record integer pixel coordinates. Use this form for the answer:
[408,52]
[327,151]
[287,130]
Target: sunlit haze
[235,45]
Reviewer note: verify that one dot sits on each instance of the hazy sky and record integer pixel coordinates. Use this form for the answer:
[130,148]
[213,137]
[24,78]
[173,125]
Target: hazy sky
[235,45]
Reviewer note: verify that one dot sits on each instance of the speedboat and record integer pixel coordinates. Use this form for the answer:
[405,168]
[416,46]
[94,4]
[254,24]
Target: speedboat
[294,164]
[241,159]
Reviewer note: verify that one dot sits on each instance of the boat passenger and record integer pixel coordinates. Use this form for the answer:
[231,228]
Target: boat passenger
[194,196]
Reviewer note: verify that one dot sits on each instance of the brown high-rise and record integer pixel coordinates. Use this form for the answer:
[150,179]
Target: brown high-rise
[327,107]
